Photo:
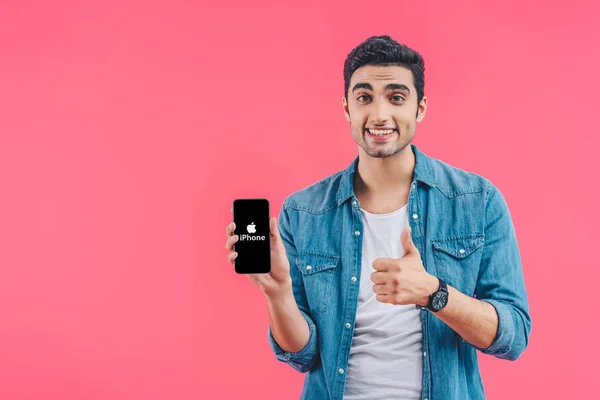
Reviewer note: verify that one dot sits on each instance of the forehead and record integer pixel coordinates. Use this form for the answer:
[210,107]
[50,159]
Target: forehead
[378,75]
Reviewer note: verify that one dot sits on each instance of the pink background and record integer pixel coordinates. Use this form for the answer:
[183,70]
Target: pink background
[128,128]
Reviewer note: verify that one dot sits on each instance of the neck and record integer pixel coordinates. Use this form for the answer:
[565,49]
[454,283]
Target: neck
[380,176]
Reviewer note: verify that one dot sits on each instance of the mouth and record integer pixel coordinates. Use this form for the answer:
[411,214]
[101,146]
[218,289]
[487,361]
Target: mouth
[380,135]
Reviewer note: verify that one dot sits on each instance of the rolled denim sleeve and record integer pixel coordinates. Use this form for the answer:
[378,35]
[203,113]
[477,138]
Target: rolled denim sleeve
[303,360]
[501,282]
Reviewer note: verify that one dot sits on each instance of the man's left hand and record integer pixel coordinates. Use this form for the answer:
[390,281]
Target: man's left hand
[403,280]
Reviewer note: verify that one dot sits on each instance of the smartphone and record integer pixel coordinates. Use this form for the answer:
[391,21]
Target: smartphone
[251,217]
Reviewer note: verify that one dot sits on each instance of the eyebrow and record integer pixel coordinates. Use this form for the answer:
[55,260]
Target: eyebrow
[389,86]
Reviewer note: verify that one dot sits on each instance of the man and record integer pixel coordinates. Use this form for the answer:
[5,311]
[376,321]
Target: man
[388,276]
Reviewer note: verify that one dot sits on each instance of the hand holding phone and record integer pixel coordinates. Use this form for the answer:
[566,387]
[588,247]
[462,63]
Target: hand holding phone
[255,246]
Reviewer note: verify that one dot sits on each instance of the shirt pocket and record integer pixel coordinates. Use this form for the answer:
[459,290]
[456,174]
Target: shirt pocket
[318,271]
[457,260]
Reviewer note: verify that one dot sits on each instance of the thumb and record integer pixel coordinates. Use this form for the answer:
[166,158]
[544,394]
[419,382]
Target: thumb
[276,242]
[274,230]
[407,243]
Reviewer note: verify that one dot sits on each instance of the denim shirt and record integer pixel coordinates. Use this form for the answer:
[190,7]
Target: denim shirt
[463,230]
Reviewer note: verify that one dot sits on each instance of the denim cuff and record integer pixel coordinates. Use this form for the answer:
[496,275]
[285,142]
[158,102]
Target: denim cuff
[303,359]
[506,330]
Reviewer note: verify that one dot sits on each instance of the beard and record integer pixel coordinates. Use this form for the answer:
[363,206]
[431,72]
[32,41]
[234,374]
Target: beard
[383,149]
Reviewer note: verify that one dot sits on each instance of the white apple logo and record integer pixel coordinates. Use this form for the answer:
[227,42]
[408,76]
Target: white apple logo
[251,228]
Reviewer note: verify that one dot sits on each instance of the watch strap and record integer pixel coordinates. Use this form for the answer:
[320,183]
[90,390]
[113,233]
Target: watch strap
[442,288]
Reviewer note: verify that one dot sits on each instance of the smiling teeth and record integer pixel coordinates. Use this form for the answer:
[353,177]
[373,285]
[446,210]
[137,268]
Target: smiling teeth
[380,133]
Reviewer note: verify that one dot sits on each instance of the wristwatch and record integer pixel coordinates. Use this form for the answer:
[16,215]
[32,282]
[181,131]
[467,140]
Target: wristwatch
[439,298]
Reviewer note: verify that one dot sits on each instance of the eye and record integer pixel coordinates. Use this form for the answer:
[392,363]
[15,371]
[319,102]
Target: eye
[401,98]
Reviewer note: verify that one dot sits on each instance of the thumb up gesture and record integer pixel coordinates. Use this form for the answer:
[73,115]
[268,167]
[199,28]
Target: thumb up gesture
[403,280]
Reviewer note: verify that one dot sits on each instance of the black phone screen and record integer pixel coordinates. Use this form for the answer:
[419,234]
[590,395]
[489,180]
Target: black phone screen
[251,217]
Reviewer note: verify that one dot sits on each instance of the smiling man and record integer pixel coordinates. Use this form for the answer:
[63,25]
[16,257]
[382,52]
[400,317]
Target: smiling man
[402,266]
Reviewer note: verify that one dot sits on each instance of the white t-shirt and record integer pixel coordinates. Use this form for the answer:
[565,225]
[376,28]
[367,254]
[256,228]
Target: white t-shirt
[386,353]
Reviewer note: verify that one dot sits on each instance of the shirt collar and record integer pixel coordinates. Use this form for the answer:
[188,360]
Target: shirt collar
[423,172]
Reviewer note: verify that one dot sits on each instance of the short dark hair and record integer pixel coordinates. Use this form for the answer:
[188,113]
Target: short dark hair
[383,50]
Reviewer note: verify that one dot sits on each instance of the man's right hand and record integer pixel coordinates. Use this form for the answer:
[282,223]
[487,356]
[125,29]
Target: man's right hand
[289,327]
[278,281]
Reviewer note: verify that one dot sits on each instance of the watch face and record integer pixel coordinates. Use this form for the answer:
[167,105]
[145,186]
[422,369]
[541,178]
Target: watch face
[439,300]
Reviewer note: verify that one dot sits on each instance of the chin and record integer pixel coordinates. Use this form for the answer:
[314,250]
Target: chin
[381,153]
[384,152]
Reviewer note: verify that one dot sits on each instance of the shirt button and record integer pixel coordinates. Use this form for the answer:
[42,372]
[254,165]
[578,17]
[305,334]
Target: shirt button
[424,354]
[348,325]
[309,267]
[357,233]
[415,216]
[354,202]
[341,370]
[353,279]
[462,251]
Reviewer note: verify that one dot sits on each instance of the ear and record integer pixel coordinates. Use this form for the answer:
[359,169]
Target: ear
[345,106]
[422,109]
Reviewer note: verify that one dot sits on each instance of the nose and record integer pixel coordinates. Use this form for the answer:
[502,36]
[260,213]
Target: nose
[380,113]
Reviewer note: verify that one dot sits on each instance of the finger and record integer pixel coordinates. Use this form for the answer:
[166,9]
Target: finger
[380,288]
[381,264]
[379,277]
[230,228]
[231,241]
[383,298]
[232,256]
